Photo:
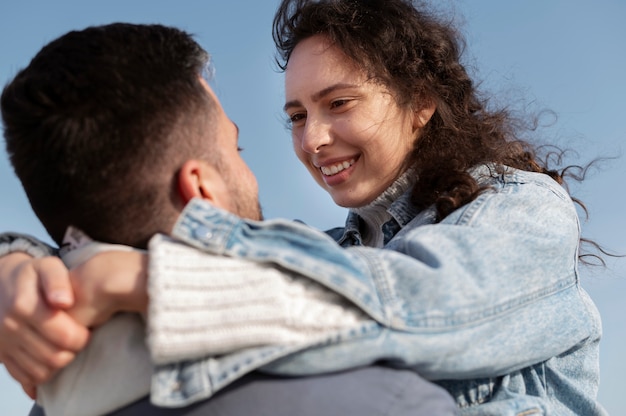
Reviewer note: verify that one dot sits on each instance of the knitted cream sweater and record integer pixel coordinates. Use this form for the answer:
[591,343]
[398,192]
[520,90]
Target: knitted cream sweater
[202,305]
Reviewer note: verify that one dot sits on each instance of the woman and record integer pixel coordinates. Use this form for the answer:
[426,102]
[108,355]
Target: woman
[389,123]
[480,241]
[387,120]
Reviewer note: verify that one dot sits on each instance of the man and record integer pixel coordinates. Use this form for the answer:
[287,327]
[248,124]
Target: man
[113,132]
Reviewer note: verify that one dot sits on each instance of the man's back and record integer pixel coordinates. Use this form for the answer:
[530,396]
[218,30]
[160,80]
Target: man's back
[374,390]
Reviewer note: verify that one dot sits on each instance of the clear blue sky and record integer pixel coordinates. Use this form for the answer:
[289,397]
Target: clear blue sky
[566,55]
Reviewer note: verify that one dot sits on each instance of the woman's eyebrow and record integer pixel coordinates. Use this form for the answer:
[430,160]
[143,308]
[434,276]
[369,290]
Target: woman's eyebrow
[319,95]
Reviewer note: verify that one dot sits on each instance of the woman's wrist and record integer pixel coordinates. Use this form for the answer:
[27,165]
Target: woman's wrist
[131,289]
[108,283]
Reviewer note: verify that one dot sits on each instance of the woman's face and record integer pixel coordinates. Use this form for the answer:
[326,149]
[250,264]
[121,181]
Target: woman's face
[349,132]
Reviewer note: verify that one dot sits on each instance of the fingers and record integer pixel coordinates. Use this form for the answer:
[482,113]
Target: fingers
[27,370]
[30,357]
[35,339]
[29,376]
[55,282]
[35,362]
[46,331]
[26,312]
[16,371]
[61,330]
[40,349]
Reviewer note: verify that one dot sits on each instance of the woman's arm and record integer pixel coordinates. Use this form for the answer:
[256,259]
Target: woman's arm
[500,272]
[209,305]
[454,289]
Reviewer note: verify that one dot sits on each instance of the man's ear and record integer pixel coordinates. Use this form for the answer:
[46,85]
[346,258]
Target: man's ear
[198,179]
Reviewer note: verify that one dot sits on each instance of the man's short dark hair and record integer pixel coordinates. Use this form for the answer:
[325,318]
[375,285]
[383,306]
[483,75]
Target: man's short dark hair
[98,121]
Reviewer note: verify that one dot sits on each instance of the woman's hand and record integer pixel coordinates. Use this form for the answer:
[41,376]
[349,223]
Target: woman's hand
[37,336]
[107,283]
[46,311]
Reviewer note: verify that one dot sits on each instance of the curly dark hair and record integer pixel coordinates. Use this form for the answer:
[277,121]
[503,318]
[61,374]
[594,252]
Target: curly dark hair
[415,54]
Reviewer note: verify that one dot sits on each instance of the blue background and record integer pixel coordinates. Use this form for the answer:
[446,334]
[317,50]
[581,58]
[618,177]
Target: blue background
[566,55]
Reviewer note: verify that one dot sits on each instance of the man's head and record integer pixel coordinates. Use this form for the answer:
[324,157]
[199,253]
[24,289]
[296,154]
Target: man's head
[112,129]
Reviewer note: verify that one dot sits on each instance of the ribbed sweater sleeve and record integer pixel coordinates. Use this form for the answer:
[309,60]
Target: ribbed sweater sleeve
[202,304]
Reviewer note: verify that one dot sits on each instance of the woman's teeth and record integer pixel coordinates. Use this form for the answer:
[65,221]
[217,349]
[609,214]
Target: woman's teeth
[335,169]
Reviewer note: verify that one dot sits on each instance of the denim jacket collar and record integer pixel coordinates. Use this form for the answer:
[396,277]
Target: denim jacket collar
[404,212]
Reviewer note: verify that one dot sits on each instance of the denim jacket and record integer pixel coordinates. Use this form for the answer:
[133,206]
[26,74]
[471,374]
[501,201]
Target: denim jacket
[486,302]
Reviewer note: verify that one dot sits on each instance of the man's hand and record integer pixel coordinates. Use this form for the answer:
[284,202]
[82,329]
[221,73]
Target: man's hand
[107,283]
[37,336]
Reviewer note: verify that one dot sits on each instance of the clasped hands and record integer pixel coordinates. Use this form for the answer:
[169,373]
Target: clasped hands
[48,311]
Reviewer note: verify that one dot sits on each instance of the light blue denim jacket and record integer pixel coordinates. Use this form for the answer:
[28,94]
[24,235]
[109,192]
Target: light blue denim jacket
[487,302]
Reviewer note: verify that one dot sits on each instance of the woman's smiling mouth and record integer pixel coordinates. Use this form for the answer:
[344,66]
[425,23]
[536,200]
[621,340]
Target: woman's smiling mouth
[336,168]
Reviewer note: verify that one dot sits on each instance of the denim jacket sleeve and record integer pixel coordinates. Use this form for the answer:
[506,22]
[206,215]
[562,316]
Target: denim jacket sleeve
[13,242]
[475,295]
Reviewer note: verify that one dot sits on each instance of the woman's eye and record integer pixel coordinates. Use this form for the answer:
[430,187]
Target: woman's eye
[296,117]
[337,103]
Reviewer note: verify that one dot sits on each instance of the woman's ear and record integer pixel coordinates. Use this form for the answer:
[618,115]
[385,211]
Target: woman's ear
[423,114]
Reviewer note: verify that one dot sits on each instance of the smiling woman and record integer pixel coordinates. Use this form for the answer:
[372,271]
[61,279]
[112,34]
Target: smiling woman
[388,121]
[347,130]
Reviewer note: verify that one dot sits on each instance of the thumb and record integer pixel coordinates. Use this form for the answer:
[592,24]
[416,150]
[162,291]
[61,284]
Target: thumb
[54,280]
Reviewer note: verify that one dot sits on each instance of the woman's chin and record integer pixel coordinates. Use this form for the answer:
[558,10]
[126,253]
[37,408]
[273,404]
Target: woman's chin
[348,201]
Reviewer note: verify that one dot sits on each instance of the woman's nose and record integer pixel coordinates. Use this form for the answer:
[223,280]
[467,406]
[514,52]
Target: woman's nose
[315,136]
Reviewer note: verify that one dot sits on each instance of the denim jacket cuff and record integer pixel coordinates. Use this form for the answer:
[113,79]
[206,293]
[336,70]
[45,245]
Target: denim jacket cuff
[14,242]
